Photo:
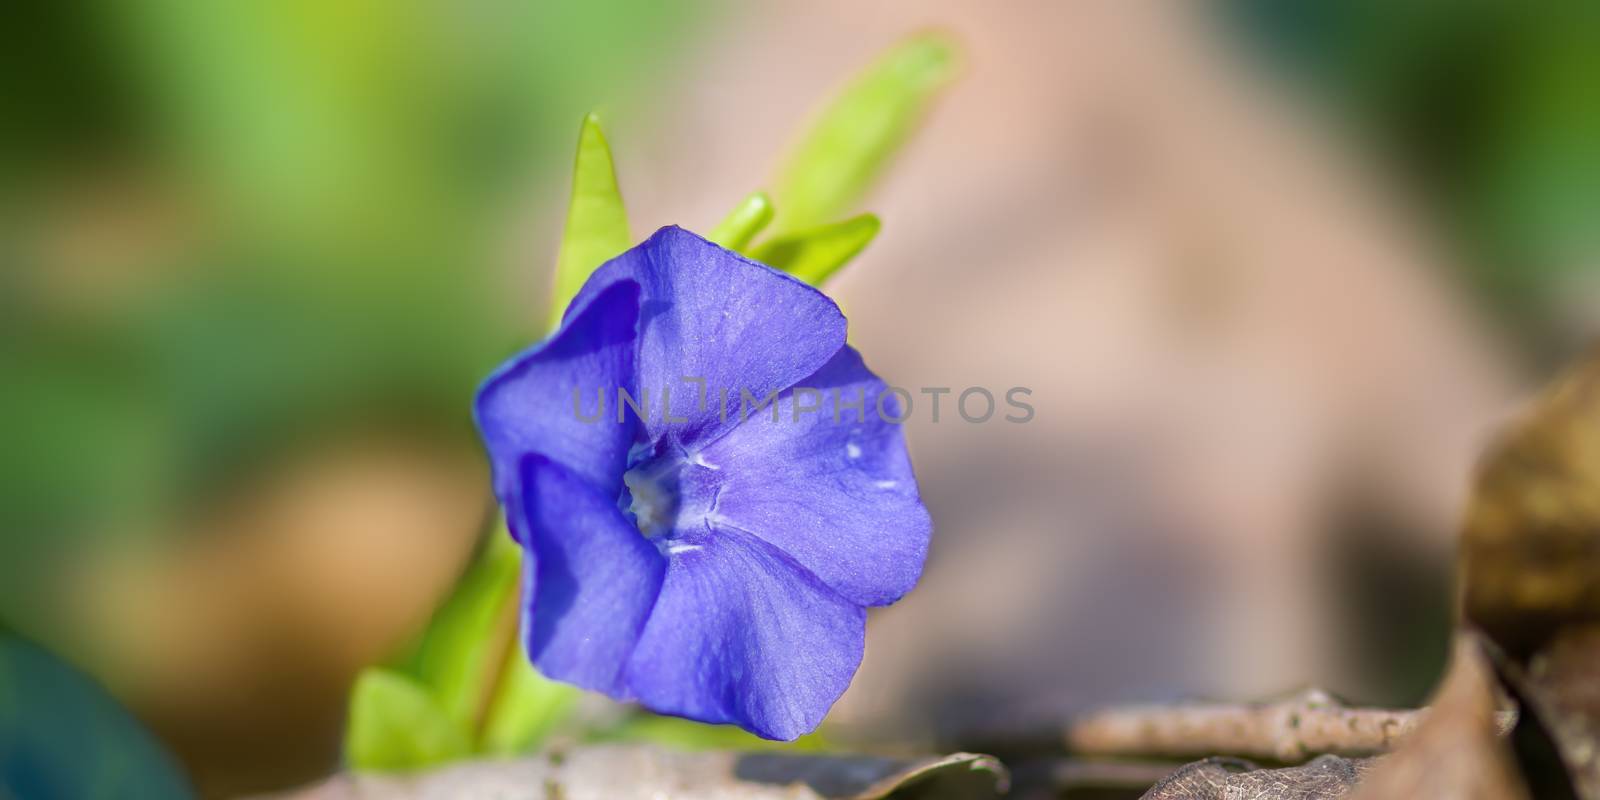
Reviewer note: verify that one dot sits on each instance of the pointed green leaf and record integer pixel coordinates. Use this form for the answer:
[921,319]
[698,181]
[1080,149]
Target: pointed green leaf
[526,708]
[395,724]
[597,223]
[736,231]
[814,255]
[847,148]
[470,662]
[452,656]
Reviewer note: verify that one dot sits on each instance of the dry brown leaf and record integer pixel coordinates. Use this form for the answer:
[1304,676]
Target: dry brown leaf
[1530,555]
[1323,778]
[1457,751]
[1561,686]
[1530,571]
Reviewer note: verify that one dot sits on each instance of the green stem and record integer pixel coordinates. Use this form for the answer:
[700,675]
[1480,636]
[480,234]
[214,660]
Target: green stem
[497,657]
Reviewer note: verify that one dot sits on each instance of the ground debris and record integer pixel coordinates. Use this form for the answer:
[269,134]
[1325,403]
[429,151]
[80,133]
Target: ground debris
[1322,778]
[636,772]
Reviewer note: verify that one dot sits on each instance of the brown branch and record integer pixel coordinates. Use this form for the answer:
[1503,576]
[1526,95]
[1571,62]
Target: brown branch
[1290,730]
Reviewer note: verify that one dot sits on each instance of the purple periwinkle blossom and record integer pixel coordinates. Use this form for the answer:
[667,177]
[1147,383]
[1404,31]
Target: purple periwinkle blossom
[707,563]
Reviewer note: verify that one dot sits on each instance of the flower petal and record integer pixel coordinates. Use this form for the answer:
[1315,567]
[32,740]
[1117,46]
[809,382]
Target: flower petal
[833,489]
[590,579]
[743,634]
[709,314]
[527,406]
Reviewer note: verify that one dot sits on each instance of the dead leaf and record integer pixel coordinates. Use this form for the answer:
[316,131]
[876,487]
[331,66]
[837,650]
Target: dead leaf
[1530,571]
[1561,686]
[1457,751]
[1530,554]
[1322,778]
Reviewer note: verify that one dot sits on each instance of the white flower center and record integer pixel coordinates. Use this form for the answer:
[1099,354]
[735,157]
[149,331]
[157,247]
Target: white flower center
[655,505]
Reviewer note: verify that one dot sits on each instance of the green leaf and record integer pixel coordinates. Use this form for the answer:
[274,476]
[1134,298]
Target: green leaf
[395,724]
[526,708]
[470,671]
[470,661]
[815,254]
[62,735]
[848,147]
[597,223]
[452,657]
[736,231]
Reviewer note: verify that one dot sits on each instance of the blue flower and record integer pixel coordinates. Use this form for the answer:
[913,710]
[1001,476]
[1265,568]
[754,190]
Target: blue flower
[702,558]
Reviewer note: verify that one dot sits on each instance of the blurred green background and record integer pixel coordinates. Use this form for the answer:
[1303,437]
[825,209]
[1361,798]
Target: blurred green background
[1491,111]
[230,225]
[245,238]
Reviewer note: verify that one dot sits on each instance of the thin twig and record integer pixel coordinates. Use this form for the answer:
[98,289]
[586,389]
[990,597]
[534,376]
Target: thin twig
[1290,730]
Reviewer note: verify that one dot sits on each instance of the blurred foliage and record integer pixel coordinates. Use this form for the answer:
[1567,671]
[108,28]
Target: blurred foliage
[398,725]
[858,132]
[1493,106]
[838,159]
[313,193]
[376,126]
[63,737]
